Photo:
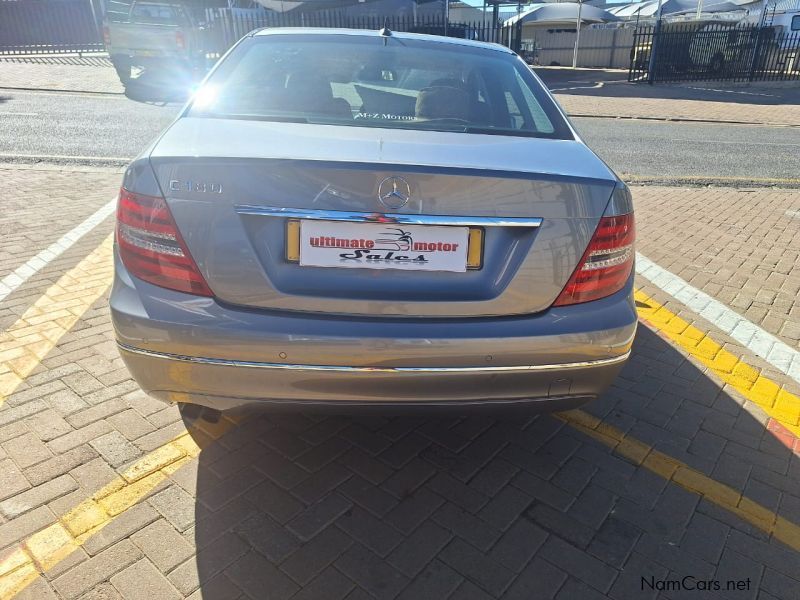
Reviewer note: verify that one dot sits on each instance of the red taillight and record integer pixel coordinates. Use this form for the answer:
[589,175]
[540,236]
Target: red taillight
[151,247]
[180,41]
[606,264]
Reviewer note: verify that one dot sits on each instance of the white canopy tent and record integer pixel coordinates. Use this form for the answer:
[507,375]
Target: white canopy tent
[561,14]
[649,8]
[631,10]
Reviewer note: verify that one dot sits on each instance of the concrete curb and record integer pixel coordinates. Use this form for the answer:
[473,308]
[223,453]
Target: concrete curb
[60,91]
[700,181]
[682,120]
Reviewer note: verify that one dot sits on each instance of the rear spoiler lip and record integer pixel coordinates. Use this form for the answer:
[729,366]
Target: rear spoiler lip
[611,181]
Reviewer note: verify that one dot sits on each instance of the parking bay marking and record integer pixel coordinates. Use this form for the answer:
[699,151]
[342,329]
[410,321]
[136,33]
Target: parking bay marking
[51,545]
[28,340]
[21,274]
[765,345]
[685,476]
[779,404]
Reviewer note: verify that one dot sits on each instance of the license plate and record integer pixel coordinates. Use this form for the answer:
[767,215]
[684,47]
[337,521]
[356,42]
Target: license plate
[381,246]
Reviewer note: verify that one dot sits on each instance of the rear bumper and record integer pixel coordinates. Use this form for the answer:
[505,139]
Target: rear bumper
[182,348]
[225,384]
[151,60]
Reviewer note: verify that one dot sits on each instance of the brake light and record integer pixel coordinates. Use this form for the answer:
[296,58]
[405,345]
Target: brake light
[606,265]
[180,41]
[151,247]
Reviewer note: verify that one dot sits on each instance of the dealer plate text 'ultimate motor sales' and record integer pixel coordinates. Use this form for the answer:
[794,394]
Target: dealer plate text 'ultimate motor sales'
[383,246]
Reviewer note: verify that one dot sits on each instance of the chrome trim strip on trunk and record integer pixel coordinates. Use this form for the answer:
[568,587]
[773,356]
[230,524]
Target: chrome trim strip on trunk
[376,217]
[280,366]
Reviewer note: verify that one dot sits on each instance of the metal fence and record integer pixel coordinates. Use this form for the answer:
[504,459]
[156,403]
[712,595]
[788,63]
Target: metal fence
[45,27]
[714,51]
[224,26]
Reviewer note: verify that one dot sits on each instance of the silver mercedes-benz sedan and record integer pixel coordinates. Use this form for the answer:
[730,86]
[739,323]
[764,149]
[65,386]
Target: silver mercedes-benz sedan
[351,218]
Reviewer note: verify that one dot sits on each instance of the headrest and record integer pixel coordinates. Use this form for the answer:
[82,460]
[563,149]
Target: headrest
[442,102]
[309,85]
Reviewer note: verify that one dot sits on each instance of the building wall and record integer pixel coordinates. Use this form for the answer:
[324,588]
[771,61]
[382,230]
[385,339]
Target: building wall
[600,48]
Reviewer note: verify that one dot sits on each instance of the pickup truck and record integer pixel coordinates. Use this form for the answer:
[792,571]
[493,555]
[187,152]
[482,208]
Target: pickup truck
[156,35]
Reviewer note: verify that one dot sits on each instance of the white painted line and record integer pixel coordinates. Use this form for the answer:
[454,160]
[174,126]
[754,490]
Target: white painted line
[52,92]
[741,142]
[21,274]
[702,89]
[780,355]
[18,114]
[58,157]
[582,87]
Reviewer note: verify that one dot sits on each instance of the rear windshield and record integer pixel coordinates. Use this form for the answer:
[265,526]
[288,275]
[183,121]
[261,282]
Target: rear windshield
[156,14]
[365,81]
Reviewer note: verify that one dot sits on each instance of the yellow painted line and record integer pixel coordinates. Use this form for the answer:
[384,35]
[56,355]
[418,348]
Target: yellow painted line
[27,341]
[46,548]
[685,476]
[772,398]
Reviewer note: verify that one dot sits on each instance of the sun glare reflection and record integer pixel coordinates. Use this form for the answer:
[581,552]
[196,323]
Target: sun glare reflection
[205,96]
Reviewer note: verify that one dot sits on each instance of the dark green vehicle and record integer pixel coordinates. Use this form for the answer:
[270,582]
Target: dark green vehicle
[673,47]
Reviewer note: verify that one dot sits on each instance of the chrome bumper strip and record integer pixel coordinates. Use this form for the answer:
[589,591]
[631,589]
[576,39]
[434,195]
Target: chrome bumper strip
[405,219]
[344,369]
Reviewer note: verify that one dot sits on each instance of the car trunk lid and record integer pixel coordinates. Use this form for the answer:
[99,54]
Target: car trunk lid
[230,183]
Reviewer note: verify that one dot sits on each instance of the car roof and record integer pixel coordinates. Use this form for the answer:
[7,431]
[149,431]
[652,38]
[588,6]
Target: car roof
[436,39]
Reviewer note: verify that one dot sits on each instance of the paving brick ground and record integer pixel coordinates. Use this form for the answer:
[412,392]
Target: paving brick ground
[25,228]
[325,507]
[634,106]
[598,92]
[740,246]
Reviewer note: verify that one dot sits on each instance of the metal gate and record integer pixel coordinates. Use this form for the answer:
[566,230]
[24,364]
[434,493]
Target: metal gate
[714,51]
[46,27]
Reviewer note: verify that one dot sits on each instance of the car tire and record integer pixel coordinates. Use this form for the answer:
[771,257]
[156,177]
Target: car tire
[122,65]
[717,64]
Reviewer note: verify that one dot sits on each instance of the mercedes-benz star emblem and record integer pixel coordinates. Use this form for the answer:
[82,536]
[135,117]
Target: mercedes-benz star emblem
[394,192]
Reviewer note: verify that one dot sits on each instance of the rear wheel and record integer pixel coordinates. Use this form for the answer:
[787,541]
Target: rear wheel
[717,64]
[122,65]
